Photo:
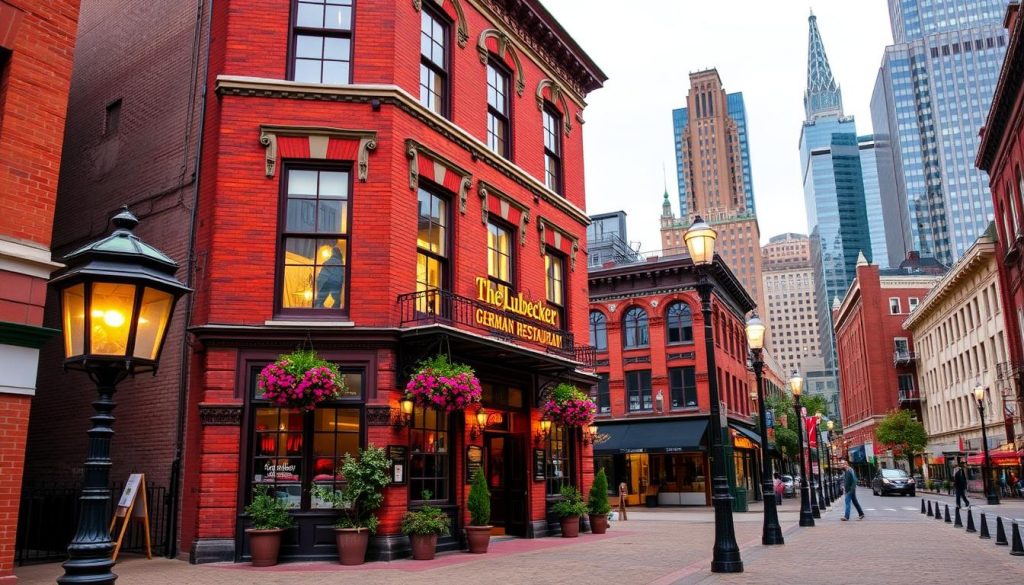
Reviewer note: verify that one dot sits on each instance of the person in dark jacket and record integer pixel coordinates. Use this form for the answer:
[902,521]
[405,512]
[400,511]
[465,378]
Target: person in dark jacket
[850,485]
[960,485]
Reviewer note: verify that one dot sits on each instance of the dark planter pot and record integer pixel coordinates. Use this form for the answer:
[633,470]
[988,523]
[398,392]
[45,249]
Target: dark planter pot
[598,523]
[264,546]
[570,526]
[478,537]
[352,543]
[423,546]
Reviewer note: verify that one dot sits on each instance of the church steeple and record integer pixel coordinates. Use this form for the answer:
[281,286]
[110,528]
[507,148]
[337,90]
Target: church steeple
[823,96]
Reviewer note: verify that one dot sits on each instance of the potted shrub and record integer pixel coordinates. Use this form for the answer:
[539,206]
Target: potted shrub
[597,503]
[269,519]
[569,509]
[363,494]
[478,532]
[301,379]
[423,527]
[443,385]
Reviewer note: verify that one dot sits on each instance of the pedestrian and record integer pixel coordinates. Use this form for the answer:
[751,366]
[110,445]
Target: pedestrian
[850,485]
[960,485]
[1013,484]
[779,489]
[623,492]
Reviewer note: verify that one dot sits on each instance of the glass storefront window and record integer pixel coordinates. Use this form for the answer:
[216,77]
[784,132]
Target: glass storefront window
[430,464]
[558,466]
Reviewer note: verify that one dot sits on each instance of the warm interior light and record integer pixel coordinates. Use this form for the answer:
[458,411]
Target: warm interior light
[325,253]
[545,426]
[755,332]
[113,318]
[307,294]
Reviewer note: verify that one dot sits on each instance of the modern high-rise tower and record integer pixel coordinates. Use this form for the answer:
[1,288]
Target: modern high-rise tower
[931,96]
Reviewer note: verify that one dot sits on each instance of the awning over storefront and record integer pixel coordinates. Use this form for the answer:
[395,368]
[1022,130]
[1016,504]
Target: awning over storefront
[656,436]
[998,458]
[748,433]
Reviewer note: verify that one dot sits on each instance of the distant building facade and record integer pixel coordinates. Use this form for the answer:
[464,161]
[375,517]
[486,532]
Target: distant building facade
[790,302]
[607,240]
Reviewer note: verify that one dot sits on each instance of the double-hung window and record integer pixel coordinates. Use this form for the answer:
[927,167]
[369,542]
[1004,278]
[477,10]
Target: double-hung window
[552,148]
[322,41]
[680,323]
[635,331]
[315,236]
[433,60]
[598,331]
[432,251]
[638,390]
[683,386]
[604,401]
[554,267]
[499,254]
[498,109]
[430,461]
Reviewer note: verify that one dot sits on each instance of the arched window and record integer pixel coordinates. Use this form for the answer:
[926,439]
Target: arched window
[598,331]
[680,323]
[635,328]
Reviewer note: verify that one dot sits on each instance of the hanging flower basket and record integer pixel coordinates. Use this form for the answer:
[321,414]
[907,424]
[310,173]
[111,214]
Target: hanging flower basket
[568,405]
[443,385]
[301,379]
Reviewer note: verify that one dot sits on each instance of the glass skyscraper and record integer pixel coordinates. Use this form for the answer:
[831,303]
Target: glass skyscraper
[931,98]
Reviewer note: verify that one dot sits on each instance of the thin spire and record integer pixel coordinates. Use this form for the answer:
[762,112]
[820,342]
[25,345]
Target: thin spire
[823,96]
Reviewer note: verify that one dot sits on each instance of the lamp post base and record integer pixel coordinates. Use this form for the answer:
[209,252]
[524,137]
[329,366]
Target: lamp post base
[993,499]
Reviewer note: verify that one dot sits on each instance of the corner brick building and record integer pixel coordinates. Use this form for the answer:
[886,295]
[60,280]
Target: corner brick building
[36,47]
[360,177]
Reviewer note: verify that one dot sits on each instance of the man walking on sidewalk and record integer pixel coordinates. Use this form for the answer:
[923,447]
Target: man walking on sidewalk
[960,484]
[850,486]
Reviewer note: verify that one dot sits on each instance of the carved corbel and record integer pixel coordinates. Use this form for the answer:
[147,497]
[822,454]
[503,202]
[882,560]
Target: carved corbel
[464,186]
[523,220]
[269,140]
[484,206]
[365,146]
[572,256]
[414,164]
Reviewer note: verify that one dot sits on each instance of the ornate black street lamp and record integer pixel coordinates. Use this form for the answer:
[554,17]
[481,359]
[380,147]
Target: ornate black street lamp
[990,490]
[771,533]
[700,242]
[117,295]
[832,493]
[796,386]
[821,465]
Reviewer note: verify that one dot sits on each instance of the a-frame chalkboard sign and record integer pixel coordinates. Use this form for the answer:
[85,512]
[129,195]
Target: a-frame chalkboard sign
[130,508]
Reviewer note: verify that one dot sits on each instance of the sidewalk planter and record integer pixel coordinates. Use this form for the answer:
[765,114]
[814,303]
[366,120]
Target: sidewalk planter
[478,533]
[424,546]
[597,503]
[479,538]
[570,526]
[269,519]
[352,544]
[423,527]
[569,509]
[264,546]
[598,523]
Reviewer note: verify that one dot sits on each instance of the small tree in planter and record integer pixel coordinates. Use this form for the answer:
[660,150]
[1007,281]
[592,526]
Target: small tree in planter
[569,509]
[423,527]
[478,532]
[363,494]
[269,519]
[597,503]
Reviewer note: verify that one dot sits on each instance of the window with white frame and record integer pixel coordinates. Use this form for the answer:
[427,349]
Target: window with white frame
[894,306]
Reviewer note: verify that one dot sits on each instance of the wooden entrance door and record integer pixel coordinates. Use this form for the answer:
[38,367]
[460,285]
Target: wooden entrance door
[506,468]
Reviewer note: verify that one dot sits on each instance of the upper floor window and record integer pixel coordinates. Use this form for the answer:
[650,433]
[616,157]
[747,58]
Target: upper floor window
[431,249]
[680,323]
[314,240]
[499,254]
[683,386]
[638,390]
[635,332]
[912,303]
[498,109]
[433,60]
[598,331]
[552,148]
[322,39]
[554,267]
[894,306]
[604,402]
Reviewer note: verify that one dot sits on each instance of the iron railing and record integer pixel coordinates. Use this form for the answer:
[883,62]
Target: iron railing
[440,306]
[48,519]
[909,395]
[902,358]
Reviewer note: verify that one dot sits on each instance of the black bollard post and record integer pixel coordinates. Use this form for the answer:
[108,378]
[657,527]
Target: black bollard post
[948,520]
[1018,547]
[938,512]
[922,505]
[930,508]
[984,528]
[1000,532]
[970,522]
[957,523]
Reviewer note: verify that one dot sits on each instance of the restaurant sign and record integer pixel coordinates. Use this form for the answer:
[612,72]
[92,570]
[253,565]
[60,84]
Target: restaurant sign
[517,304]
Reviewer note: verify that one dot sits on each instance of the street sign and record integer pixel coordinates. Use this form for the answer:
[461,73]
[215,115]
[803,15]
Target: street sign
[769,418]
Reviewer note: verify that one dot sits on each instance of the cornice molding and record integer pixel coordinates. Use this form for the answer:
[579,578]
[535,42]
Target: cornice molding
[461,28]
[227,85]
[980,256]
[319,137]
[484,189]
[27,259]
[412,152]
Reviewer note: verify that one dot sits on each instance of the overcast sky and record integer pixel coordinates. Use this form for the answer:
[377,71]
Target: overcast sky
[648,48]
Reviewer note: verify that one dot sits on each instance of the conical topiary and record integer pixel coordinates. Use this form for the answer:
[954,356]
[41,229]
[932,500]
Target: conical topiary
[479,500]
[597,500]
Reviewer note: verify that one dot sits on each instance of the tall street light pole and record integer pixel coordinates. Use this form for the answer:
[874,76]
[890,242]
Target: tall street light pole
[990,491]
[833,493]
[771,532]
[700,242]
[821,465]
[796,385]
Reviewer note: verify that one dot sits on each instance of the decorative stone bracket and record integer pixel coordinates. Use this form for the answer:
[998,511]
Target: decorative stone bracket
[431,165]
[461,28]
[556,96]
[558,238]
[508,209]
[318,143]
[504,46]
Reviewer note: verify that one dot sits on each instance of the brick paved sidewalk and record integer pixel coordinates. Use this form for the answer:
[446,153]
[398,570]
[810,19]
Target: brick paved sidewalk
[660,546]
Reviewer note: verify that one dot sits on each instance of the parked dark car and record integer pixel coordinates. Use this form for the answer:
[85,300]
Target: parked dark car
[893,481]
[788,486]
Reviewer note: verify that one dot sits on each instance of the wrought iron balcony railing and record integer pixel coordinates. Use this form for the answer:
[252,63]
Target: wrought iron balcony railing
[909,395]
[903,358]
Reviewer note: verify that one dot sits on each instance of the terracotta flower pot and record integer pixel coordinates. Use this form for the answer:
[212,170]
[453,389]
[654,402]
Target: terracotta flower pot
[478,537]
[352,543]
[423,546]
[570,526]
[598,523]
[264,546]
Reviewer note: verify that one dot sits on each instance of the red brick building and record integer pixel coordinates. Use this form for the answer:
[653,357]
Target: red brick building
[1001,155]
[876,355]
[371,177]
[36,47]
[652,394]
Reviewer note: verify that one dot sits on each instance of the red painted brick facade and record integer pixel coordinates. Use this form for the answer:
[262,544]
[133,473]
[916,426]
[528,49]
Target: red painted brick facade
[869,370]
[36,45]
[1001,154]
